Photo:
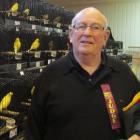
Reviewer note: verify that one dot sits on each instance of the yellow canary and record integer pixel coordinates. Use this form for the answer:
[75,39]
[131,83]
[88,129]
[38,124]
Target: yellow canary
[14,8]
[135,99]
[35,45]
[26,12]
[133,68]
[17,45]
[6,100]
[32,90]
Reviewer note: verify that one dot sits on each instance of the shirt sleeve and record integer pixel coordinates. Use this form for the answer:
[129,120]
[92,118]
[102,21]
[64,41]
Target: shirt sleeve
[35,123]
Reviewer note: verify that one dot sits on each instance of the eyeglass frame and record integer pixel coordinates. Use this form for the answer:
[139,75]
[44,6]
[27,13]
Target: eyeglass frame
[94,27]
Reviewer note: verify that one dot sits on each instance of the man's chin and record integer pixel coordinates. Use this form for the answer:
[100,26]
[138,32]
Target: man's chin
[85,52]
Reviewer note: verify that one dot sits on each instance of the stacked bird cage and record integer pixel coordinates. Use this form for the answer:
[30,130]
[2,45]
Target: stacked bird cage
[15,98]
[10,117]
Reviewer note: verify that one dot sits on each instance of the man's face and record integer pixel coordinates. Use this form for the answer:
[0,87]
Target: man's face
[88,36]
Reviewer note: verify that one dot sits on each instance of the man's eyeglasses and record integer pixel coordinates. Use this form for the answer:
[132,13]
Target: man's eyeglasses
[93,27]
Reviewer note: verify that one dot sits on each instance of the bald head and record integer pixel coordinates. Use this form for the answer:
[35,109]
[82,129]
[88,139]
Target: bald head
[95,13]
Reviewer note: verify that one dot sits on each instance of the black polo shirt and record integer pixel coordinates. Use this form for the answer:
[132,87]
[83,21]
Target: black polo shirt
[68,106]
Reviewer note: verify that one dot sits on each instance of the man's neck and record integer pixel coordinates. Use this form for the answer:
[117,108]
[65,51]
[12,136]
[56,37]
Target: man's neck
[89,63]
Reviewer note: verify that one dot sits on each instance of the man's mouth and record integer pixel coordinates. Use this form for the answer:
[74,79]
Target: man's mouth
[86,42]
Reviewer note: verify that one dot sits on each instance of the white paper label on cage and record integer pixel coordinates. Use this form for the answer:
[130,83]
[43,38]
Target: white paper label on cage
[58,25]
[18,66]
[13,133]
[38,64]
[53,53]
[35,31]
[17,22]
[37,54]
[48,33]
[59,31]
[49,61]
[17,29]
[18,56]
[66,52]
[46,28]
[53,60]
[46,21]
[55,30]
[21,73]
[33,26]
[41,70]
[50,29]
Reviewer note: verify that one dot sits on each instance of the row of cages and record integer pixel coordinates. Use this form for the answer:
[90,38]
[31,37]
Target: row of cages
[19,69]
[15,100]
[47,56]
[17,75]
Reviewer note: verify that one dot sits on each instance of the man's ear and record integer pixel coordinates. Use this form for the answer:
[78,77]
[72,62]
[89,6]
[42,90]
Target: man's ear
[70,35]
[106,35]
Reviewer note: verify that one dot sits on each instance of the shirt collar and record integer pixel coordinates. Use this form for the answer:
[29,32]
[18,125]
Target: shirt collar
[68,63]
[106,62]
[110,62]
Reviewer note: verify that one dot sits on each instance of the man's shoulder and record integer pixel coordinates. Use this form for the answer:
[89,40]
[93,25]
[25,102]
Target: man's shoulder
[117,63]
[58,66]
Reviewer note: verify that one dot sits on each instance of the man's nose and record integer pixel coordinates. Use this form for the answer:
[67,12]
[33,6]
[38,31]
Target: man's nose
[88,31]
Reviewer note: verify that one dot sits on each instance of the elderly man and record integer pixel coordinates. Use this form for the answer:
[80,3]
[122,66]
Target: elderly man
[82,95]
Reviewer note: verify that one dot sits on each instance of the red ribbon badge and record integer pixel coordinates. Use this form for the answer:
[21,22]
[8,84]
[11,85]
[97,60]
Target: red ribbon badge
[111,106]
